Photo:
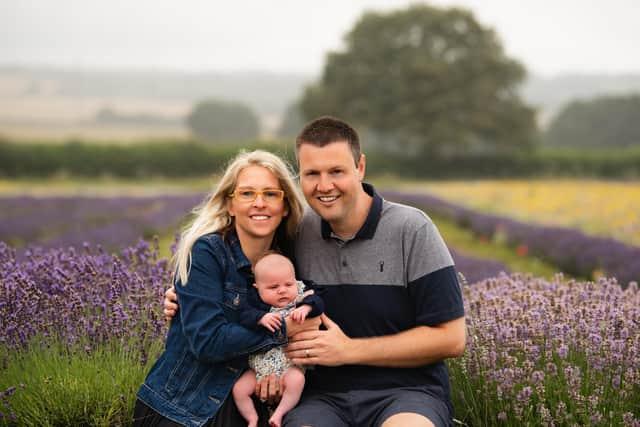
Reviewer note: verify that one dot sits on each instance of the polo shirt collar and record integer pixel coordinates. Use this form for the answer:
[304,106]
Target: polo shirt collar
[368,229]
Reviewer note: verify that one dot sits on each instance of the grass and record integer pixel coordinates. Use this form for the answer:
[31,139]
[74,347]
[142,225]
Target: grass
[56,386]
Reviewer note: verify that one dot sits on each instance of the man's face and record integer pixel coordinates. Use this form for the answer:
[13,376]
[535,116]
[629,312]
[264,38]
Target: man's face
[330,180]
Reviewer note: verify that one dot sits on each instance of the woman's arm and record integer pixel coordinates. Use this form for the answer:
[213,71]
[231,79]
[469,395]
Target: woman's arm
[211,335]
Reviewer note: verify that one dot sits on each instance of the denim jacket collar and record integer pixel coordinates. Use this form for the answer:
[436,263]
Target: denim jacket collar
[239,258]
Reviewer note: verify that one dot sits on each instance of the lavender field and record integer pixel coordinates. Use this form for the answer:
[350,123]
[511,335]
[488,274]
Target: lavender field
[549,353]
[571,250]
[62,221]
[80,321]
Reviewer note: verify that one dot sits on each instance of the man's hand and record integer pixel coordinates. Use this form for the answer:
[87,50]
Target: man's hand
[170,304]
[271,321]
[330,347]
[270,389]
[300,313]
[294,327]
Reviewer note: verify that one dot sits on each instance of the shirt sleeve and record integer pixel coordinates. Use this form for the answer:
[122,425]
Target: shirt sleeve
[437,296]
[433,281]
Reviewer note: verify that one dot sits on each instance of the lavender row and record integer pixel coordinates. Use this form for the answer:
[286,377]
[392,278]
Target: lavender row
[87,297]
[474,269]
[550,353]
[569,249]
[53,222]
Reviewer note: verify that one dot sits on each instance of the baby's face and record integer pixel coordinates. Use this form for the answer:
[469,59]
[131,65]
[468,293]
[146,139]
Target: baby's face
[277,287]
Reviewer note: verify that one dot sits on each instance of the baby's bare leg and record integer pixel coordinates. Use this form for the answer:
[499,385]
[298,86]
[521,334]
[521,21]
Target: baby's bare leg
[242,391]
[293,386]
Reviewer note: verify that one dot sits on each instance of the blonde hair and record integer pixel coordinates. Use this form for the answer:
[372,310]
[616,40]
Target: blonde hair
[212,215]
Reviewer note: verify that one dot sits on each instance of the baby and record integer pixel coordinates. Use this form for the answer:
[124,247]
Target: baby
[281,295]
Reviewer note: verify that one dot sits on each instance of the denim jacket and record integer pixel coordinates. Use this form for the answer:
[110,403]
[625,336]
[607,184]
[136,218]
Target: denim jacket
[206,349]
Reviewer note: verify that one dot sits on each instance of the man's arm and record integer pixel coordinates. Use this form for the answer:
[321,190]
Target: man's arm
[414,347]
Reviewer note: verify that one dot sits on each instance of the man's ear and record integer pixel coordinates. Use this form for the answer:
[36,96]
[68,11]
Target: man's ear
[362,166]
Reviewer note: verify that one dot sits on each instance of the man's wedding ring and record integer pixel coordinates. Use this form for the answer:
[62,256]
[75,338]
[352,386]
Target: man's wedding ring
[306,353]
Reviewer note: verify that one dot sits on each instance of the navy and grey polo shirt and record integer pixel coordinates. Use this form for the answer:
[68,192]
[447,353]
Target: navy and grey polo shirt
[394,274]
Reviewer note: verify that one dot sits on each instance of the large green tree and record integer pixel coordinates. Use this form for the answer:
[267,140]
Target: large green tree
[607,121]
[432,79]
[223,121]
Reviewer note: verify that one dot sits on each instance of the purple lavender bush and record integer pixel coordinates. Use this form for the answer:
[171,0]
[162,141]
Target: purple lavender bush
[87,309]
[549,353]
[571,250]
[88,296]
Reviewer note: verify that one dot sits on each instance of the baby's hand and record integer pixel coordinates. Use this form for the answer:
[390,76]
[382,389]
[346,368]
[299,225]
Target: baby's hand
[271,321]
[300,313]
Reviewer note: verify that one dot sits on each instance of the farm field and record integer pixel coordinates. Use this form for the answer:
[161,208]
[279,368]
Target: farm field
[151,197]
[116,213]
[601,208]
[541,347]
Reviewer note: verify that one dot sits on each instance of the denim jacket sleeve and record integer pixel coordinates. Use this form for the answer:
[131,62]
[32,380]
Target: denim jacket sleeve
[210,334]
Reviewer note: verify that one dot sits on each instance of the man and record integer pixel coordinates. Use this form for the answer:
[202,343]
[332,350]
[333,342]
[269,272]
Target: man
[393,307]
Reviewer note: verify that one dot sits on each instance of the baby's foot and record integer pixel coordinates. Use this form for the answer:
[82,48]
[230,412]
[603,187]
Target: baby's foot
[275,420]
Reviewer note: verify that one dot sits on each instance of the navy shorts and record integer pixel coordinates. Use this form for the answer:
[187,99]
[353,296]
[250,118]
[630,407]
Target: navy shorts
[367,408]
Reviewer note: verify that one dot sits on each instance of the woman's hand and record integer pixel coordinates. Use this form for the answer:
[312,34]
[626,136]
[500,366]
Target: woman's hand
[270,389]
[170,303]
[294,327]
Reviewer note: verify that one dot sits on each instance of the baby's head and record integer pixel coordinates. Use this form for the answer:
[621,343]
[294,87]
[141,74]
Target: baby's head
[275,280]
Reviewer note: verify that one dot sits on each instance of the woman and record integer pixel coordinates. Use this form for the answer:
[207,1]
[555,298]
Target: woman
[255,207]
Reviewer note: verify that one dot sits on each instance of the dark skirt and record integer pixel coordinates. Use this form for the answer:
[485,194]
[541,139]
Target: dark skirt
[227,416]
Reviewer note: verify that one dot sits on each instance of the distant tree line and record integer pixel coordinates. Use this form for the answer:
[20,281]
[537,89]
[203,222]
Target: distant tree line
[609,121]
[187,159]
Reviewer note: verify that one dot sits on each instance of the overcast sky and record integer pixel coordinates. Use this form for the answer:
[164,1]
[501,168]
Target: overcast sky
[549,37]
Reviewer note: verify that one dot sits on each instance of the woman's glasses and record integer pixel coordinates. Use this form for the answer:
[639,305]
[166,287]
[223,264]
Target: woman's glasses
[269,196]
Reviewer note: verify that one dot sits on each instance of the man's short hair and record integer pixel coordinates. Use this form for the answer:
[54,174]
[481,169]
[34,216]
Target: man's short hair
[325,130]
